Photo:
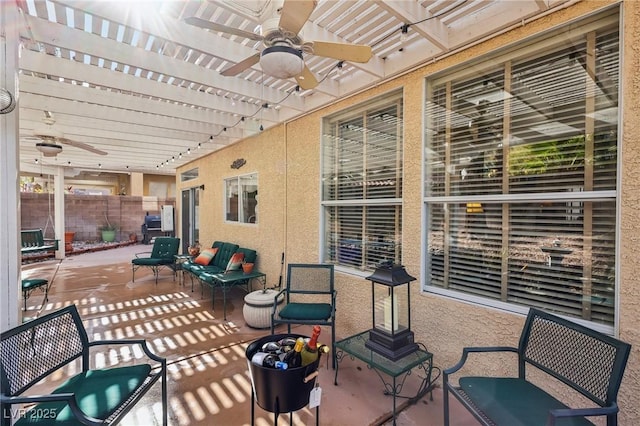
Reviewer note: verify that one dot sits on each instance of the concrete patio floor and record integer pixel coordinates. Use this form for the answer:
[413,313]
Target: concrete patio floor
[209,382]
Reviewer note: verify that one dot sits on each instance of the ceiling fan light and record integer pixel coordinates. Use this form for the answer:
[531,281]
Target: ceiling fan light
[281,61]
[49,149]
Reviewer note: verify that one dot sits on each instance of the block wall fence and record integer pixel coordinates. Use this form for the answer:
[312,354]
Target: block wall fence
[85,214]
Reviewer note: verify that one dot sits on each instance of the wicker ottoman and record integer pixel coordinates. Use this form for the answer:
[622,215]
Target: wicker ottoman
[257,307]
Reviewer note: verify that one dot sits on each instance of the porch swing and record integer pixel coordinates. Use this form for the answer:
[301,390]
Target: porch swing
[33,241]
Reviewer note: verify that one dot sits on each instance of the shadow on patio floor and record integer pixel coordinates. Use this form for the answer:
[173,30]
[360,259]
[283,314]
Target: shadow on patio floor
[209,381]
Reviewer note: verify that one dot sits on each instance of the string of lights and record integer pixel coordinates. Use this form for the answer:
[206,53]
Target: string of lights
[404,28]
[338,66]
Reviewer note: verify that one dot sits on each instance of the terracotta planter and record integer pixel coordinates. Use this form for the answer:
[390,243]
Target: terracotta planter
[247,268]
[68,239]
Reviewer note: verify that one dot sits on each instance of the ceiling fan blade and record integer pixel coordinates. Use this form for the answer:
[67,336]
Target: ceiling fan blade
[241,66]
[81,145]
[295,13]
[342,51]
[208,25]
[306,80]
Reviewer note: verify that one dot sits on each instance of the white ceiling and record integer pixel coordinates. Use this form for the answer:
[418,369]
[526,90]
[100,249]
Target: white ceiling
[133,79]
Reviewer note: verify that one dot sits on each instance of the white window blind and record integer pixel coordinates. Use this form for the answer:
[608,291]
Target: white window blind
[520,177]
[362,184]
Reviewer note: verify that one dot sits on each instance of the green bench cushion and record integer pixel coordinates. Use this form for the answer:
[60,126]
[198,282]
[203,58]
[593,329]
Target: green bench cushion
[306,311]
[98,394]
[198,269]
[512,401]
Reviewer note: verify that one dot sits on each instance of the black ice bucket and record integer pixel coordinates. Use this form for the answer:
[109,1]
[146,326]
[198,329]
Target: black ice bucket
[280,391]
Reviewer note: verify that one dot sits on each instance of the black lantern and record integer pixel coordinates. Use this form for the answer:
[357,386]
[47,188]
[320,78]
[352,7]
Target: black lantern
[391,335]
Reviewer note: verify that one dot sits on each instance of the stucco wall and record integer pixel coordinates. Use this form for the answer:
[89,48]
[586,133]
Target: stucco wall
[265,155]
[287,160]
[629,307]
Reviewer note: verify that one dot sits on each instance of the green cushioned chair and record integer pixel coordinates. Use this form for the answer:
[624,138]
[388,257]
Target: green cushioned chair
[310,299]
[44,348]
[162,255]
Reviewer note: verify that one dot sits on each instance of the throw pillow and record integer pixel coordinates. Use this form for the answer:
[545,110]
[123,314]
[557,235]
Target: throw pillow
[235,263]
[205,256]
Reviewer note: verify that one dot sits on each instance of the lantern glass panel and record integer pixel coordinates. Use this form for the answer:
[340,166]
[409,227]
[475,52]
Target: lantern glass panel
[391,310]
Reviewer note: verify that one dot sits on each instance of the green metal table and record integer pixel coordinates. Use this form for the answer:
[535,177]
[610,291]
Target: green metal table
[178,260]
[398,370]
[226,281]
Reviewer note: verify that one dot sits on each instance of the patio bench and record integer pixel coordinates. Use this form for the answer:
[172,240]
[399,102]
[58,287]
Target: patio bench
[33,241]
[585,360]
[220,261]
[40,348]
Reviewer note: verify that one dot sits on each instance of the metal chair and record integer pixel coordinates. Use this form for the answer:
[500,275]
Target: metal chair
[30,285]
[162,255]
[310,299]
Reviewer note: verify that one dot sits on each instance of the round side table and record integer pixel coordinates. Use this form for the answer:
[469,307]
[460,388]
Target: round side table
[257,307]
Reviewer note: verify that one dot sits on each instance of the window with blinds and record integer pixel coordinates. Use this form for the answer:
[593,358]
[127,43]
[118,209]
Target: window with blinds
[362,184]
[521,172]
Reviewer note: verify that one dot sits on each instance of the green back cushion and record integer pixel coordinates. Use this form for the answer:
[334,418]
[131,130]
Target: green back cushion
[98,394]
[250,256]
[224,254]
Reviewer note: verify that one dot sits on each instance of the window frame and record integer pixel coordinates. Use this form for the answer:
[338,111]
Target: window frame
[240,200]
[394,98]
[520,51]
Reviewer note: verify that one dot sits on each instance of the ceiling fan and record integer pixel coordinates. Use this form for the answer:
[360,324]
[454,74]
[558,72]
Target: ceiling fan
[281,56]
[48,139]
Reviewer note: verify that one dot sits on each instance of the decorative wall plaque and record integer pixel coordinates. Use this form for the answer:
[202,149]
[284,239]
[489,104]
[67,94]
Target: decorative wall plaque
[238,163]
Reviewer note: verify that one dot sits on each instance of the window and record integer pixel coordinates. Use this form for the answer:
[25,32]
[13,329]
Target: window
[189,175]
[520,176]
[362,184]
[241,199]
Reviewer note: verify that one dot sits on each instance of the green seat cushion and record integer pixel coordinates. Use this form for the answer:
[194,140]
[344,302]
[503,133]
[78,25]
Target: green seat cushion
[98,394]
[210,269]
[306,311]
[33,283]
[150,261]
[513,402]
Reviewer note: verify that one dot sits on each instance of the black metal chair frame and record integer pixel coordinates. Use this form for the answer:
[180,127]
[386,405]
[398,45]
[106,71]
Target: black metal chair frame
[316,280]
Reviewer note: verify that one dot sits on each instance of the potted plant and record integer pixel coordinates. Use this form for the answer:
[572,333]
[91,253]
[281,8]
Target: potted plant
[194,249]
[108,231]
[247,267]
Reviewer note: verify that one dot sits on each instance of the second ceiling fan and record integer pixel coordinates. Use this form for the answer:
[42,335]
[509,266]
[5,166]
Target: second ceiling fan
[281,56]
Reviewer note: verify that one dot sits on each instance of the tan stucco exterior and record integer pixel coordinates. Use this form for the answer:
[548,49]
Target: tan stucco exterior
[287,160]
